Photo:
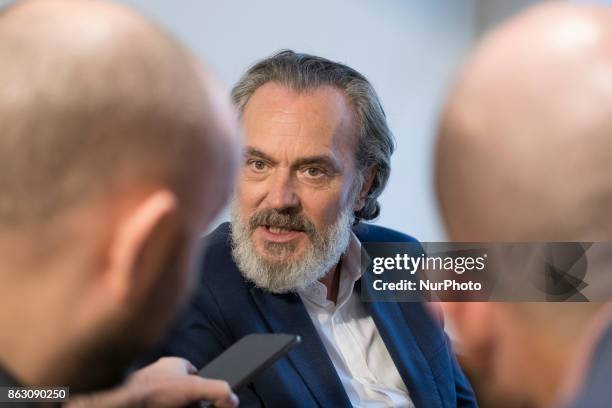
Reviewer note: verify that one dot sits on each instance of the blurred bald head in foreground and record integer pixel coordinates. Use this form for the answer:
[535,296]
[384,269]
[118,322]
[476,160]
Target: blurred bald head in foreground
[117,150]
[525,154]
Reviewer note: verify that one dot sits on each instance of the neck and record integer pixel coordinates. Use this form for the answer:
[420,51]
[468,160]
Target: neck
[547,374]
[28,341]
[36,326]
[331,280]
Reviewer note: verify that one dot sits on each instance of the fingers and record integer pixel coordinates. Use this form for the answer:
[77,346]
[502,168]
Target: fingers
[171,382]
[216,391]
[175,364]
[165,367]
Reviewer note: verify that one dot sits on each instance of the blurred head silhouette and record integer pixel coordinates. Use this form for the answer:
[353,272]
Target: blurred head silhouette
[117,150]
[525,154]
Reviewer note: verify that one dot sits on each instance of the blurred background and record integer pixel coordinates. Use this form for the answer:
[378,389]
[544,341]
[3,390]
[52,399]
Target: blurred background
[408,49]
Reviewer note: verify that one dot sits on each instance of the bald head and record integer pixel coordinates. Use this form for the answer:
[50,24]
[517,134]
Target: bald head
[117,151]
[525,147]
[96,100]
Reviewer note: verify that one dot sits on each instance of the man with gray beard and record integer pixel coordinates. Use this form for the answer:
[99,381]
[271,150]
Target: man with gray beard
[317,156]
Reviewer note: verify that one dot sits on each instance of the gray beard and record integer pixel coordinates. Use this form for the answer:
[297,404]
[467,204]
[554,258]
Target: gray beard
[289,275]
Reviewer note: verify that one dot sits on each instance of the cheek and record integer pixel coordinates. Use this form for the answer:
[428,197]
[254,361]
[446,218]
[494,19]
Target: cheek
[322,208]
[510,363]
[170,292]
[248,197]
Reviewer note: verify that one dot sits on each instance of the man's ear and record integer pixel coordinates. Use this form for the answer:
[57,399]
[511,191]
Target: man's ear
[365,189]
[472,323]
[141,244]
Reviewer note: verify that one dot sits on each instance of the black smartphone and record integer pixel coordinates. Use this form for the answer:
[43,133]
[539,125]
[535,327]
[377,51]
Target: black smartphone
[248,357]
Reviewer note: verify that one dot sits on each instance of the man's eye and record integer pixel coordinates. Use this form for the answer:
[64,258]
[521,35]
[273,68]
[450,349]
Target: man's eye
[257,165]
[314,172]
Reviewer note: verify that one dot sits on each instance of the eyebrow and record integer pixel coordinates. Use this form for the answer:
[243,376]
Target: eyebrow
[302,161]
[252,152]
[320,160]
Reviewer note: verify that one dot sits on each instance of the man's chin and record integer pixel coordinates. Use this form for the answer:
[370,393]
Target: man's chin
[280,252]
[280,257]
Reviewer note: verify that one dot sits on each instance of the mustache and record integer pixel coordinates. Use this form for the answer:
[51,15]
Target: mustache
[275,218]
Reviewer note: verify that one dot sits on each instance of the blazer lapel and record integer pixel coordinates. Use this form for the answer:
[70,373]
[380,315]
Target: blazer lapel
[287,314]
[405,352]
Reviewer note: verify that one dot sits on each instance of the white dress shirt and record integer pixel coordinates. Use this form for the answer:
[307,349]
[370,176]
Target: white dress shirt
[352,340]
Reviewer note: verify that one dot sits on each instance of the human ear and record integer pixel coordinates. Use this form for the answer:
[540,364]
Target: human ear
[142,241]
[472,322]
[365,189]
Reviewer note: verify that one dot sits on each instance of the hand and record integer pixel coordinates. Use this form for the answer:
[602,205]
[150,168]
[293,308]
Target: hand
[169,382]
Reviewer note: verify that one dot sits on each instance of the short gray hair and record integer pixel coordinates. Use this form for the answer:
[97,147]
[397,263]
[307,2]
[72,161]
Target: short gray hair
[302,72]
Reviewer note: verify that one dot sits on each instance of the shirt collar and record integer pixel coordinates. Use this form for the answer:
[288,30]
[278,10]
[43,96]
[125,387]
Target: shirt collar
[350,272]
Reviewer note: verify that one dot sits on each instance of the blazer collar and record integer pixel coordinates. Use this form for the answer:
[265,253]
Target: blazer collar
[287,314]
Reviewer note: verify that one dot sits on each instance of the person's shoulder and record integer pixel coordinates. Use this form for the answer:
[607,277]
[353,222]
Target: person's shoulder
[375,233]
[220,235]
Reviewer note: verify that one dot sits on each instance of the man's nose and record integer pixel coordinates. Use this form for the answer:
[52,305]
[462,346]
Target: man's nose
[282,195]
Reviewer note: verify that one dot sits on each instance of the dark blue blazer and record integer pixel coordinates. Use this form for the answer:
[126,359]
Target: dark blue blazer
[226,308]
